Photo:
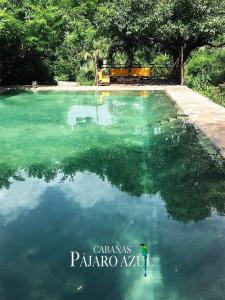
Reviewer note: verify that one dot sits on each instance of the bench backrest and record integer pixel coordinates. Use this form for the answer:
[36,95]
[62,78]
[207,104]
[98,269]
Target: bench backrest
[140,72]
[119,72]
[100,75]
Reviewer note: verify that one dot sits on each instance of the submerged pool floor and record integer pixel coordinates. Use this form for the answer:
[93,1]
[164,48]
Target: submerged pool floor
[86,169]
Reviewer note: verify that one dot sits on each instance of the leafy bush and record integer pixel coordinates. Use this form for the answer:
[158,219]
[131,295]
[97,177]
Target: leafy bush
[162,67]
[205,73]
[207,65]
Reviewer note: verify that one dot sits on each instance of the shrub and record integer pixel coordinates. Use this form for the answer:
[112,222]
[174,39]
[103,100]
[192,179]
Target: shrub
[207,65]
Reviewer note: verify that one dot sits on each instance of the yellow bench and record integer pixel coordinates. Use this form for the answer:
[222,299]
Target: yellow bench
[140,72]
[102,78]
[123,72]
[119,72]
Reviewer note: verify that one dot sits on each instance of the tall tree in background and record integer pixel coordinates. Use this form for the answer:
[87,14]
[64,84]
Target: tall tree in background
[173,24]
[42,39]
[29,35]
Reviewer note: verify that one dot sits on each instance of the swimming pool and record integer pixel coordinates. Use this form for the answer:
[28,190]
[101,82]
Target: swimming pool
[80,170]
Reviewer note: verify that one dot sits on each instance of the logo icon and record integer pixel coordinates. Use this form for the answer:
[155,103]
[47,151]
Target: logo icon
[144,252]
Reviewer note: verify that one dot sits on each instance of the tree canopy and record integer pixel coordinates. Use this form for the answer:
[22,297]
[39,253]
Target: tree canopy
[40,40]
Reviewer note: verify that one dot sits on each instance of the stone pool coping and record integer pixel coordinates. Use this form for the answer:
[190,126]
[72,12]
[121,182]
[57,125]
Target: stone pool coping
[208,116]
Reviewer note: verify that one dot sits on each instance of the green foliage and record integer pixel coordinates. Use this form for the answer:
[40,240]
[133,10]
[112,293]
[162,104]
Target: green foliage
[162,59]
[42,40]
[205,73]
[171,24]
[209,65]
[64,38]
[161,68]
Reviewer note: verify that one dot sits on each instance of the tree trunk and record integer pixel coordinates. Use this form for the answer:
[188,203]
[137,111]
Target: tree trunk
[175,70]
[130,58]
[182,66]
[179,58]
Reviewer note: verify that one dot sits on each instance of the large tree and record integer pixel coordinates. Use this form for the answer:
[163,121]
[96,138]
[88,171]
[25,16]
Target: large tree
[176,25]
[40,39]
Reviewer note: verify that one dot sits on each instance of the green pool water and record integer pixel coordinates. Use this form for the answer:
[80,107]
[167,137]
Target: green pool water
[86,169]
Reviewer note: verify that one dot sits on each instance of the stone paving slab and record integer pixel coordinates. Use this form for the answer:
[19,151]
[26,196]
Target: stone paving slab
[208,116]
[73,87]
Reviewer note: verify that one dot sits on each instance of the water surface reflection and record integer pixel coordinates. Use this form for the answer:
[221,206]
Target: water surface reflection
[146,176]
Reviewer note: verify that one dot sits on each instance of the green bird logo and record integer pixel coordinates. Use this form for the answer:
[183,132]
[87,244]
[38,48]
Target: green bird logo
[144,252]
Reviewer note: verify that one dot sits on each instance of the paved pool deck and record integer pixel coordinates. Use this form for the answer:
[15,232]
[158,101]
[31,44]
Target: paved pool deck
[208,116]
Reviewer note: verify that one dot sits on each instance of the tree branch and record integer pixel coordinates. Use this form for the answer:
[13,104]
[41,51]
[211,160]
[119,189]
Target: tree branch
[216,46]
